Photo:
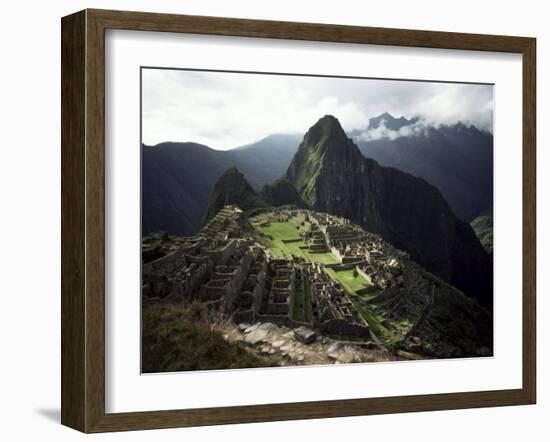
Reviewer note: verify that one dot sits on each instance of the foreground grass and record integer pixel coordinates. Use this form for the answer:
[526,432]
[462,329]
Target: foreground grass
[185,337]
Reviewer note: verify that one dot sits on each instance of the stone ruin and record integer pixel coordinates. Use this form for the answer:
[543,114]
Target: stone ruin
[225,268]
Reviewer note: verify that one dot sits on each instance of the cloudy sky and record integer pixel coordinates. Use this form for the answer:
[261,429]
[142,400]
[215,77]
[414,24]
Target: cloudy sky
[225,110]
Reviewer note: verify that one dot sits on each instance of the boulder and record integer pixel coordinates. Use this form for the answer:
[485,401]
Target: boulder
[413,344]
[334,350]
[346,357]
[243,326]
[255,336]
[267,326]
[252,327]
[305,335]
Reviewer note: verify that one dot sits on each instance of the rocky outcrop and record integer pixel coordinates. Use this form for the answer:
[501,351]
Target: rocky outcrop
[233,189]
[483,227]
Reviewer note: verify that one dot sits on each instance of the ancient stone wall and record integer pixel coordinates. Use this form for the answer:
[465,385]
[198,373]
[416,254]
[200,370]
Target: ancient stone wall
[166,264]
[341,327]
[259,290]
[236,283]
[276,319]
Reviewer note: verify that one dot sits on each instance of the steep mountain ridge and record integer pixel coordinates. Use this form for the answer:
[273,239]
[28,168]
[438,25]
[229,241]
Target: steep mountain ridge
[457,159]
[331,175]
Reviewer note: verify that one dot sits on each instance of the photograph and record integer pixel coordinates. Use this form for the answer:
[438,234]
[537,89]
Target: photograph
[302,220]
[251,221]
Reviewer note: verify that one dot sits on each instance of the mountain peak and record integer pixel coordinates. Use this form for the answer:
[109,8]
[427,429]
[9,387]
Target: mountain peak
[233,172]
[326,135]
[328,119]
[232,188]
[325,147]
[390,121]
[328,122]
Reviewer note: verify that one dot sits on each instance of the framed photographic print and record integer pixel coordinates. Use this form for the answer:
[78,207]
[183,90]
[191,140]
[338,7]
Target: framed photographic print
[270,220]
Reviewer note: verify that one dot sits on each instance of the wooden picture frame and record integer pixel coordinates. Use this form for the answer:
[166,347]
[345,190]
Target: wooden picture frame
[83,219]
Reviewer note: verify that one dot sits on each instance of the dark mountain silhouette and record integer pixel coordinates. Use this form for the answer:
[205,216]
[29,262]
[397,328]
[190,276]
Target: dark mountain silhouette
[232,188]
[177,178]
[457,159]
[331,175]
[282,192]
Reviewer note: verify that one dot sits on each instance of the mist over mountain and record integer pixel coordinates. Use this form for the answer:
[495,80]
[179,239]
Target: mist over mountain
[266,160]
[331,175]
[390,122]
[457,159]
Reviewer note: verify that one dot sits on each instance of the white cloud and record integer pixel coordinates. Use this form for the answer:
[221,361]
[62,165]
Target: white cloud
[383,132]
[225,110]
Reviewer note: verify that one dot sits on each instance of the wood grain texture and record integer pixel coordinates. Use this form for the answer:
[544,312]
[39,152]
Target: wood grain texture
[73,129]
[95,222]
[83,220]
[529,220]
[144,21]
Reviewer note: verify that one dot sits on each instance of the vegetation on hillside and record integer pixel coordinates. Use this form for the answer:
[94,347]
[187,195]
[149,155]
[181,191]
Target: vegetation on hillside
[181,337]
[483,226]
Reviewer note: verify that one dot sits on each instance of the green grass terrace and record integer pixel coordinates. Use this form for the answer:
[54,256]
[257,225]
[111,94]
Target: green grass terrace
[284,241]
